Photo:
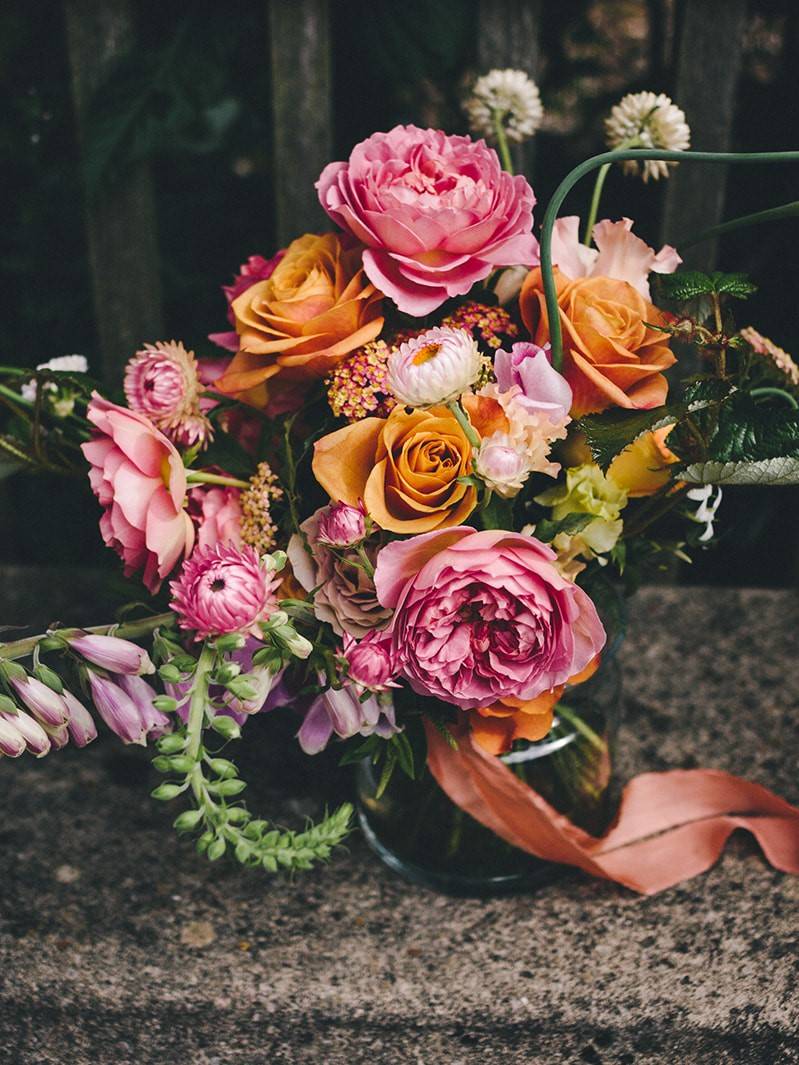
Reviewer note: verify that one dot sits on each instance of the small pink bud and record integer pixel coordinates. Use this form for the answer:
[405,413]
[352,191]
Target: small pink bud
[369,661]
[117,709]
[12,742]
[113,654]
[341,525]
[47,706]
[59,737]
[36,739]
[81,726]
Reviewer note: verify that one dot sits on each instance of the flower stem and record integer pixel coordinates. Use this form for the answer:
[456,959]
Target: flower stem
[130,630]
[769,391]
[502,141]
[197,705]
[594,208]
[463,420]
[200,477]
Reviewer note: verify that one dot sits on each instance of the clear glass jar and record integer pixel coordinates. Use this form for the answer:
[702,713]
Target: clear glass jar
[418,832]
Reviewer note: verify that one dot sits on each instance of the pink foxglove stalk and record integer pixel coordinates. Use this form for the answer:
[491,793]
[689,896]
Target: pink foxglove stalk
[342,713]
[154,722]
[224,589]
[162,382]
[435,367]
[125,705]
[36,739]
[437,213]
[12,742]
[47,706]
[81,726]
[112,653]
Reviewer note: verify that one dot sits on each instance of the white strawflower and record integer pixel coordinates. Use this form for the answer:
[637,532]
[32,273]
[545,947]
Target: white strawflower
[511,93]
[502,464]
[647,120]
[64,363]
[435,367]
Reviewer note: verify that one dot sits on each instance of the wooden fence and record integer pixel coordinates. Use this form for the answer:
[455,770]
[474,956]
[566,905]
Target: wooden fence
[120,222]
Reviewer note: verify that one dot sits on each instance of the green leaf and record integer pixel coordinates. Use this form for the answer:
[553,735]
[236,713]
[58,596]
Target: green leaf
[547,530]
[610,432]
[497,513]
[387,773]
[778,471]
[736,285]
[686,285]
[401,744]
[748,431]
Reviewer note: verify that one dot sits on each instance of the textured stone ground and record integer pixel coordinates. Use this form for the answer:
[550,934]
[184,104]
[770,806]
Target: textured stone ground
[118,945]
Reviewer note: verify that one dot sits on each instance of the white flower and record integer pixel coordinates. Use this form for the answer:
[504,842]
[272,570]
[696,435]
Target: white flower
[511,93]
[709,499]
[64,363]
[647,120]
[502,464]
[435,367]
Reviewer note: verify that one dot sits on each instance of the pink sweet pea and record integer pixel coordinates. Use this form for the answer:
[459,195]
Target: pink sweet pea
[138,476]
[544,390]
[618,253]
[437,213]
[484,616]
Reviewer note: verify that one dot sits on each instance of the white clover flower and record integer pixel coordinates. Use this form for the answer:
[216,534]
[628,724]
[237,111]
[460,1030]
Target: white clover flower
[709,499]
[647,120]
[435,367]
[64,363]
[511,93]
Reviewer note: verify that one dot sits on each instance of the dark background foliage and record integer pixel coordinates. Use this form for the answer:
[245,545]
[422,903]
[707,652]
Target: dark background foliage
[194,100]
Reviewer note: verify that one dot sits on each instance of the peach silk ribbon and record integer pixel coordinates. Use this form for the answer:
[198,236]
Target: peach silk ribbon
[670,826]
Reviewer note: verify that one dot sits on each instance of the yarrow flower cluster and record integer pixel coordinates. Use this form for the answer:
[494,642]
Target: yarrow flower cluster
[761,345]
[647,120]
[161,382]
[358,387]
[508,96]
[258,528]
[493,325]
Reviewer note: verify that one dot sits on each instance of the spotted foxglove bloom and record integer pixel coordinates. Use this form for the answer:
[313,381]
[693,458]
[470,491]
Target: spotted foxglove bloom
[709,499]
[342,713]
[12,742]
[81,726]
[647,120]
[435,367]
[47,706]
[112,653]
[223,589]
[162,382]
[510,95]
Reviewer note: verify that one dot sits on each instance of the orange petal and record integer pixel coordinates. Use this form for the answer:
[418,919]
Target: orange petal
[344,459]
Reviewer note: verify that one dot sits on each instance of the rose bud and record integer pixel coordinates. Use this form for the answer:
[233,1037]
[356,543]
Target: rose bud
[36,739]
[341,525]
[81,726]
[47,706]
[113,654]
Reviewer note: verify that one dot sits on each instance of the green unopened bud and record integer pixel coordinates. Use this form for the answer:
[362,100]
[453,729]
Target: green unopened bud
[52,643]
[172,743]
[49,677]
[227,672]
[280,617]
[237,815]
[222,767]
[8,706]
[227,788]
[169,673]
[188,820]
[181,763]
[291,639]
[241,688]
[268,657]
[13,670]
[165,792]
[226,727]
[275,562]
[165,703]
[185,663]
[233,641]
[216,850]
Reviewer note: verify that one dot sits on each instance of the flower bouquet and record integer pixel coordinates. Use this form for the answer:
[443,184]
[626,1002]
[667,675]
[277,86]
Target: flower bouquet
[406,502]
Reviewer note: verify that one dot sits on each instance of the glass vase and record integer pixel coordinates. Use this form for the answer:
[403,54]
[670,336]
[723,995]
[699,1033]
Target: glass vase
[418,832]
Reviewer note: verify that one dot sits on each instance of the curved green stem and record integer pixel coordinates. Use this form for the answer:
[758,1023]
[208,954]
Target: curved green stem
[608,158]
[130,630]
[594,208]
[200,477]
[463,420]
[769,391]
[772,214]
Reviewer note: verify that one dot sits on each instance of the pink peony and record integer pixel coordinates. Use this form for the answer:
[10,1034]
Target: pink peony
[341,525]
[224,589]
[216,513]
[345,593]
[618,254]
[480,617]
[255,269]
[162,382]
[543,389]
[139,478]
[436,213]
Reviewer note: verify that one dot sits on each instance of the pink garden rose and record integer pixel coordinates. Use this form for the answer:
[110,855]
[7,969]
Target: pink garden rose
[543,389]
[138,476]
[481,617]
[437,213]
[255,269]
[618,253]
[216,513]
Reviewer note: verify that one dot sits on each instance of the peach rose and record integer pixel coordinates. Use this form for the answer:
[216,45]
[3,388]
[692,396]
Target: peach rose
[300,322]
[643,467]
[610,355]
[405,468]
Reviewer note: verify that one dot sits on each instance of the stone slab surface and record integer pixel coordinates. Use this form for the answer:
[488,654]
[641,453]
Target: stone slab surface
[118,945]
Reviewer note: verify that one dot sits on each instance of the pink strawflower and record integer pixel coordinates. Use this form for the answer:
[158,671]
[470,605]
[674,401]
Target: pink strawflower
[481,617]
[435,367]
[502,463]
[618,253]
[543,389]
[492,325]
[255,269]
[437,213]
[341,525]
[138,476]
[370,662]
[224,589]
[216,513]
[162,382]
[358,387]
[112,653]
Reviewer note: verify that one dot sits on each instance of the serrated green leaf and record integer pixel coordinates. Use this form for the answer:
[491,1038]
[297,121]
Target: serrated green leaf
[547,530]
[779,471]
[685,285]
[736,285]
[749,432]
[610,432]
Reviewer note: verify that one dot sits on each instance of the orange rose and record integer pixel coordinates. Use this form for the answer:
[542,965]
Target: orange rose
[643,467]
[302,321]
[610,355]
[405,468]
